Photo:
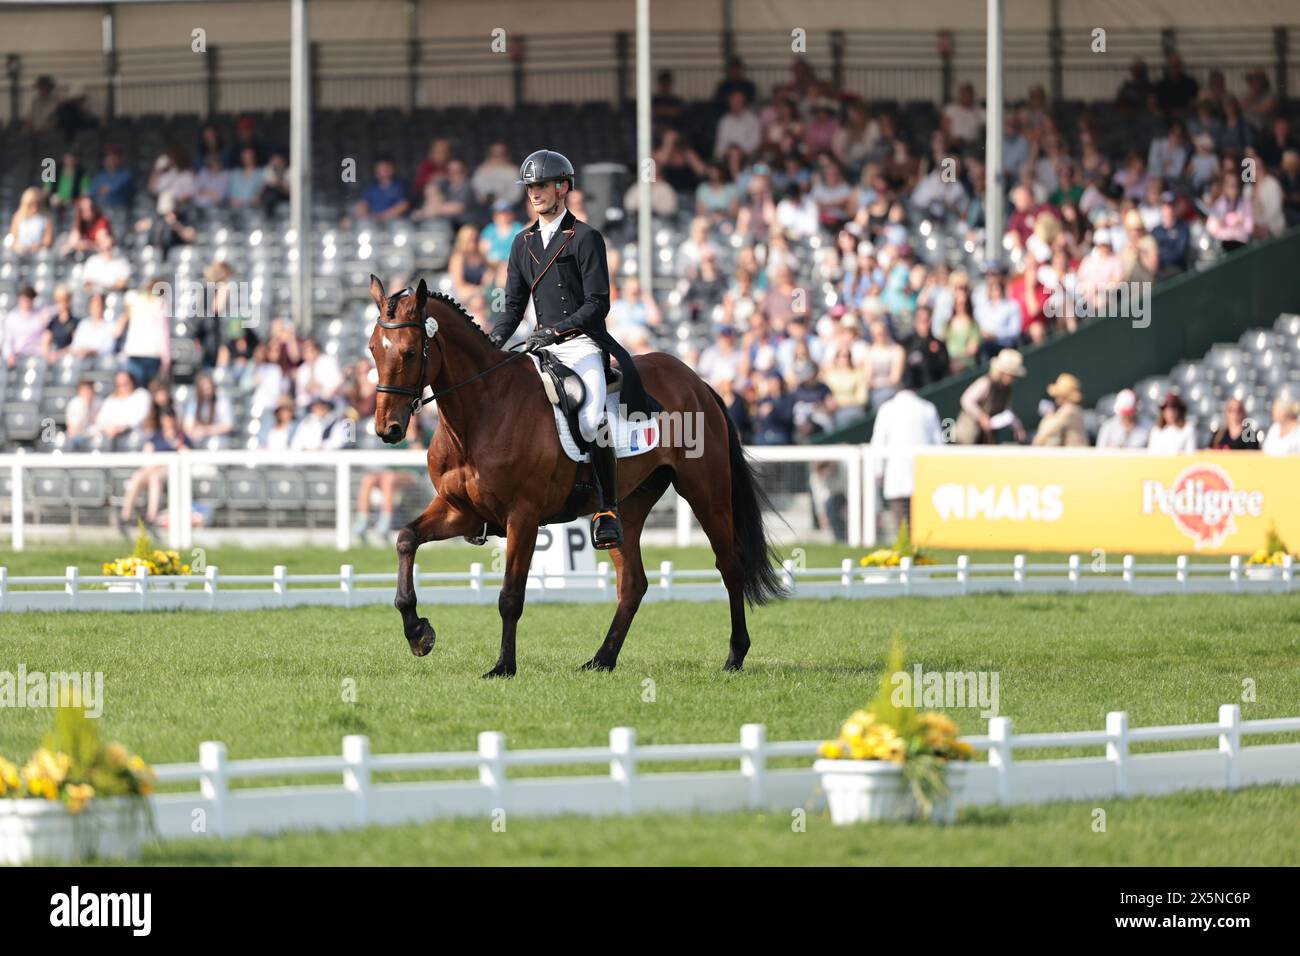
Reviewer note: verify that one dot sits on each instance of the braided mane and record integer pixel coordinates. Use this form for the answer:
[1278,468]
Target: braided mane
[461,310]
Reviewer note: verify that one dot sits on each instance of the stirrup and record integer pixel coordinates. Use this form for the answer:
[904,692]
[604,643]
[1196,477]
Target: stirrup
[601,532]
[480,538]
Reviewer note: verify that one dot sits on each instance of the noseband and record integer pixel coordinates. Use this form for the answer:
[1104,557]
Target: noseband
[428,332]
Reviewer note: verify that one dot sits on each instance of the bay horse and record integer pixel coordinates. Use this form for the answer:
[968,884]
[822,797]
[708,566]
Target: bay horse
[497,462]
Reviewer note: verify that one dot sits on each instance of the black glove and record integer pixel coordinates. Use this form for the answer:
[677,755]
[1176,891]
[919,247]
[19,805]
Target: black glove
[541,338]
[499,338]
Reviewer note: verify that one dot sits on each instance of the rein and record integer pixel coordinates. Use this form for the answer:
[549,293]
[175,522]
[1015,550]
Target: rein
[426,336]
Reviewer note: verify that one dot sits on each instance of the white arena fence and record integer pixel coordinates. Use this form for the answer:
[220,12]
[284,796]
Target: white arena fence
[213,591]
[218,809]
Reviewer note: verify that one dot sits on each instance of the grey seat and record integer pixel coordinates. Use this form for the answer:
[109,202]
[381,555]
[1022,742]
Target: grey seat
[48,485]
[22,420]
[88,487]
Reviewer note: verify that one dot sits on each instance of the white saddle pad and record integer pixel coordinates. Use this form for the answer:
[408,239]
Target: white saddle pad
[630,438]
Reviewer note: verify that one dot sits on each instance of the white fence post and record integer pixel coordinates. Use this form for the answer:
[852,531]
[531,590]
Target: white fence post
[1230,743]
[1000,756]
[476,579]
[683,522]
[602,576]
[356,777]
[846,575]
[905,574]
[1117,748]
[1129,563]
[1073,572]
[211,584]
[342,505]
[963,572]
[346,583]
[70,584]
[415,579]
[856,488]
[753,763]
[1018,571]
[622,765]
[1287,570]
[213,784]
[787,574]
[280,584]
[16,505]
[4,585]
[142,583]
[1181,565]
[666,577]
[492,766]
[1234,571]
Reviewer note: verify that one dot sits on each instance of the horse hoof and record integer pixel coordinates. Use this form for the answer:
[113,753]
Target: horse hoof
[596,665]
[499,671]
[733,666]
[423,644]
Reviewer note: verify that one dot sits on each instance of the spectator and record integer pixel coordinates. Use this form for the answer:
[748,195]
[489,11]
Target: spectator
[267,378]
[735,81]
[1283,436]
[1172,434]
[359,388]
[927,356]
[1176,90]
[59,333]
[433,167]
[499,235]
[246,181]
[167,436]
[1064,426]
[1276,141]
[173,176]
[1266,203]
[1289,179]
[87,223]
[1123,430]
[468,266]
[722,359]
[1259,104]
[167,227]
[820,133]
[678,165]
[1000,318]
[497,177]
[42,114]
[1235,134]
[70,184]
[31,228]
[124,411]
[147,326]
[886,361]
[849,383]
[314,432]
[318,377]
[79,413]
[855,140]
[903,422]
[207,414]
[1203,166]
[986,403]
[734,402]
[451,198]
[666,107]
[245,137]
[716,196]
[94,336]
[706,290]
[773,412]
[827,487]
[835,199]
[113,187]
[962,120]
[812,400]
[940,195]
[1173,239]
[1168,155]
[107,270]
[1137,90]
[278,436]
[1100,271]
[276,185]
[1231,219]
[210,146]
[388,482]
[24,328]
[212,185]
[633,309]
[738,126]
[385,198]
[1236,433]
[962,339]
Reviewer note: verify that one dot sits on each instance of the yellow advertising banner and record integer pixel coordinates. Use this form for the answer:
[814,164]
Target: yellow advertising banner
[1210,503]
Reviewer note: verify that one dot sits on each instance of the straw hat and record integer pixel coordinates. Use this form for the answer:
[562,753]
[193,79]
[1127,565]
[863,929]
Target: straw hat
[1066,388]
[1008,362]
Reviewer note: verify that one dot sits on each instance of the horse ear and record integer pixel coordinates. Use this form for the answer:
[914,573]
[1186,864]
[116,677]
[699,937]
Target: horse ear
[377,291]
[421,297]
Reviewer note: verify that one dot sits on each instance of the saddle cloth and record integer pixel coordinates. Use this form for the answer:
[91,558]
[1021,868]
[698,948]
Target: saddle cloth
[630,438]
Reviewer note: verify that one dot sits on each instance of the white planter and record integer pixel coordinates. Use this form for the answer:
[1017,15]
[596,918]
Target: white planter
[44,831]
[859,791]
[1263,572]
[157,582]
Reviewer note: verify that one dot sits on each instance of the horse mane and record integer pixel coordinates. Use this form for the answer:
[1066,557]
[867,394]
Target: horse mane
[461,311]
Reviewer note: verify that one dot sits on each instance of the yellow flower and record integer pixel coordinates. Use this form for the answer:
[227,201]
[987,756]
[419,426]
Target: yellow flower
[9,777]
[830,749]
[116,754]
[962,750]
[79,794]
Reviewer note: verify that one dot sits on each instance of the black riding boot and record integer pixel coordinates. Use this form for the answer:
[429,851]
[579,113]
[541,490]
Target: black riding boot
[606,528]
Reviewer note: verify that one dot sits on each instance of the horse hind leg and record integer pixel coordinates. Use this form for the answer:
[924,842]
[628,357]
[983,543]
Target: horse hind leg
[632,583]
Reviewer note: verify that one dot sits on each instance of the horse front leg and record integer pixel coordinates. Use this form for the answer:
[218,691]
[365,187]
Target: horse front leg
[437,522]
[521,539]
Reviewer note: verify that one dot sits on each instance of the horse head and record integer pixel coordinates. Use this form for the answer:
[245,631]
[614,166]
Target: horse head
[405,357]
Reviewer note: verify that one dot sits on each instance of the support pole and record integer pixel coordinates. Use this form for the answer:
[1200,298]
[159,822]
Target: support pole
[300,160]
[994,204]
[646,173]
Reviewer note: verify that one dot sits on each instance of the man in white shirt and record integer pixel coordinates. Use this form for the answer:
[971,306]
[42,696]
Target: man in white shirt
[107,270]
[318,376]
[496,177]
[904,422]
[739,126]
[1123,430]
[962,120]
[311,433]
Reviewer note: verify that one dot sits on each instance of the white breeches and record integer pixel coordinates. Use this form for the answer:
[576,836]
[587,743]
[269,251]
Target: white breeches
[582,355]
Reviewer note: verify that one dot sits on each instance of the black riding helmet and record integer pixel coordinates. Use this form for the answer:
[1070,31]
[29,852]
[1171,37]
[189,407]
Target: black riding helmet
[545,166]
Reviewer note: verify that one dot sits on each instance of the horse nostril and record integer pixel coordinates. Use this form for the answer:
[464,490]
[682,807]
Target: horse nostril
[394,432]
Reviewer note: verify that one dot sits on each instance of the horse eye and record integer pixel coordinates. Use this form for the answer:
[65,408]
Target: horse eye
[408,354]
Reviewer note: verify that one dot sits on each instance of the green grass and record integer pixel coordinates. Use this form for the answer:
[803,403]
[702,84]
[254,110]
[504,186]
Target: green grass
[1187,829]
[271,683]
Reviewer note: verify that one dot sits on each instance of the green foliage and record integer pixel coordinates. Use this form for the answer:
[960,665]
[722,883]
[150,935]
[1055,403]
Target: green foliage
[143,544]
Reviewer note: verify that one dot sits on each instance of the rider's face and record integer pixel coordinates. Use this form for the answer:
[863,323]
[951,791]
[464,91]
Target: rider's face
[544,198]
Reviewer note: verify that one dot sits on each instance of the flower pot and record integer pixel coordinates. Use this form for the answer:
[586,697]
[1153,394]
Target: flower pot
[1263,572]
[157,582]
[44,831]
[859,791]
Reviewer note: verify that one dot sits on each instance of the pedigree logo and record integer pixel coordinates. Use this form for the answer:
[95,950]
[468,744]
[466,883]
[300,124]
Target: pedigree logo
[1203,503]
[998,502]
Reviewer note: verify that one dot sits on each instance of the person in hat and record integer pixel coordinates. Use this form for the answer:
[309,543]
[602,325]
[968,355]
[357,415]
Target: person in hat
[1173,238]
[559,264]
[1172,434]
[1064,426]
[1123,430]
[986,403]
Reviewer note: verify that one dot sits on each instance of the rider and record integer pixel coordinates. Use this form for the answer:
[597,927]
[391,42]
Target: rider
[559,262]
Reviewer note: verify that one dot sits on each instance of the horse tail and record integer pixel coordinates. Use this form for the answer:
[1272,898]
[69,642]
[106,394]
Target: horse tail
[758,558]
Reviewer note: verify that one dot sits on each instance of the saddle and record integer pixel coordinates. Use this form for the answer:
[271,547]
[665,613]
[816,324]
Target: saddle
[564,390]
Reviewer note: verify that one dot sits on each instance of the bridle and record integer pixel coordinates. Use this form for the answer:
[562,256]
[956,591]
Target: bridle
[428,333]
